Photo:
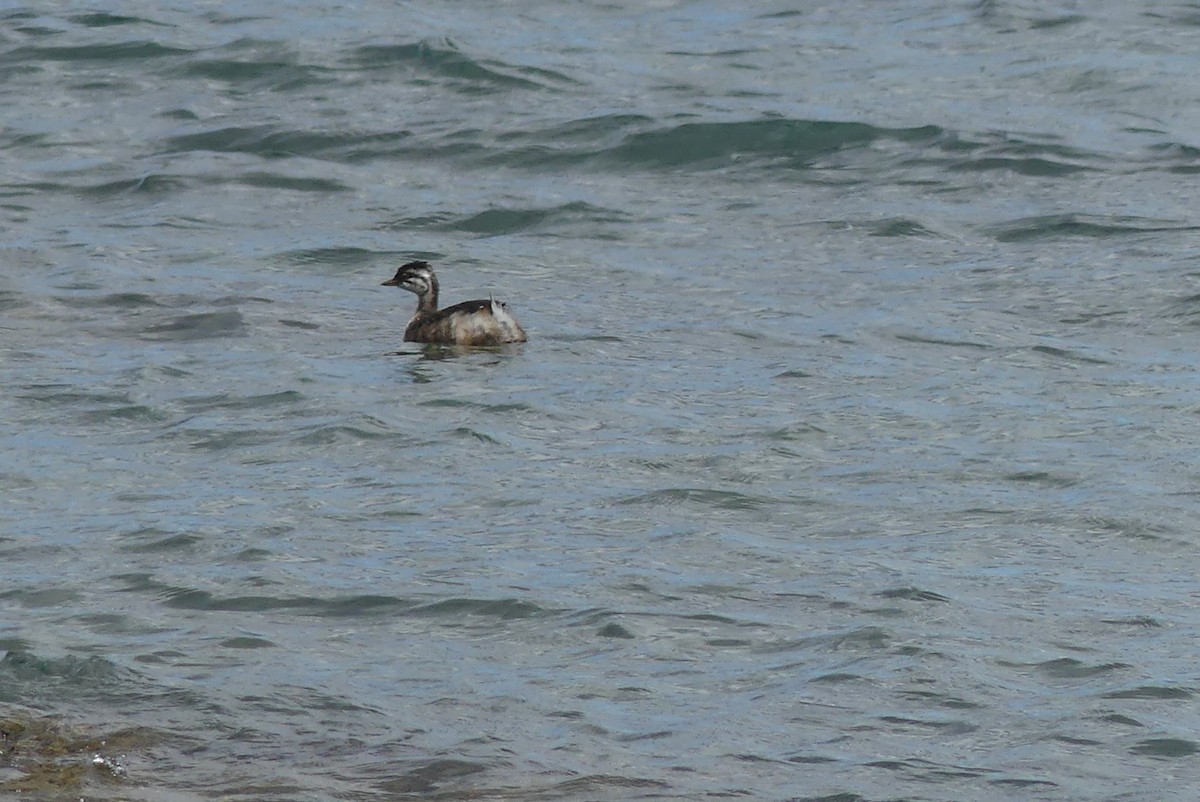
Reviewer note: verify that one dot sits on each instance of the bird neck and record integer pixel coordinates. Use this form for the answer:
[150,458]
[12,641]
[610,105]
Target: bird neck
[429,301]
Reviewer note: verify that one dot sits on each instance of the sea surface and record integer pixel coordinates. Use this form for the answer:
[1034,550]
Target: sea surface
[854,455]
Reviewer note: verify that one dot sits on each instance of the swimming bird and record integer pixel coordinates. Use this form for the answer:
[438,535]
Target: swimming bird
[468,323]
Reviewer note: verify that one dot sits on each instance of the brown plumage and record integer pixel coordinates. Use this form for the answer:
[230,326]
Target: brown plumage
[468,323]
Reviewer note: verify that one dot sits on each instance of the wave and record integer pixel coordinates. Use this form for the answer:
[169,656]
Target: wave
[267,142]
[351,606]
[1056,226]
[276,75]
[240,402]
[789,143]
[1024,155]
[101,19]
[717,499]
[199,326]
[265,180]
[152,183]
[119,51]
[496,221]
[23,665]
[347,256]
[467,74]
[613,141]
[619,142]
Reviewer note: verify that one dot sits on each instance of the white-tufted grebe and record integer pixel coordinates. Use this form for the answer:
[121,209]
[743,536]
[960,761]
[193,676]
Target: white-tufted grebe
[468,323]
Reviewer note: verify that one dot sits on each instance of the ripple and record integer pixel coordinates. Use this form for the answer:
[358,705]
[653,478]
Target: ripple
[467,433]
[1023,782]
[1150,692]
[1185,307]
[269,143]
[504,609]
[495,222]
[170,543]
[1166,747]
[900,227]
[614,630]
[238,402]
[721,499]
[40,597]
[927,340]
[25,666]
[257,74]
[215,440]
[101,19]
[1070,668]
[934,699]
[1033,166]
[119,300]
[1055,226]
[341,256]
[601,786]
[193,599]
[347,433]
[430,776]
[65,394]
[913,594]
[353,606]
[10,300]
[467,74]
[200,326]
[905,723]
[120,51]
[616,141]
[1044,478]
[124,412]
[248,643]
[928,770]
[1175,157]
[152,183]
[789,143]
[1066,355]
[459,403]
[264,180]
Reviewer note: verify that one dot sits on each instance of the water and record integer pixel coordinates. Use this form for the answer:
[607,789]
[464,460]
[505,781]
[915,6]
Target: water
[851,457]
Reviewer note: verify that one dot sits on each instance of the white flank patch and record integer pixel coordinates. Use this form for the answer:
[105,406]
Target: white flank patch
[506,321]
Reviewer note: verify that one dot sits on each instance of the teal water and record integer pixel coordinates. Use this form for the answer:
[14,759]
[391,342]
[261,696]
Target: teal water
[851,456]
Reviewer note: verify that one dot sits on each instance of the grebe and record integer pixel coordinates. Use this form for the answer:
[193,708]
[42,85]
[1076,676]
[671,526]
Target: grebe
[469,323]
